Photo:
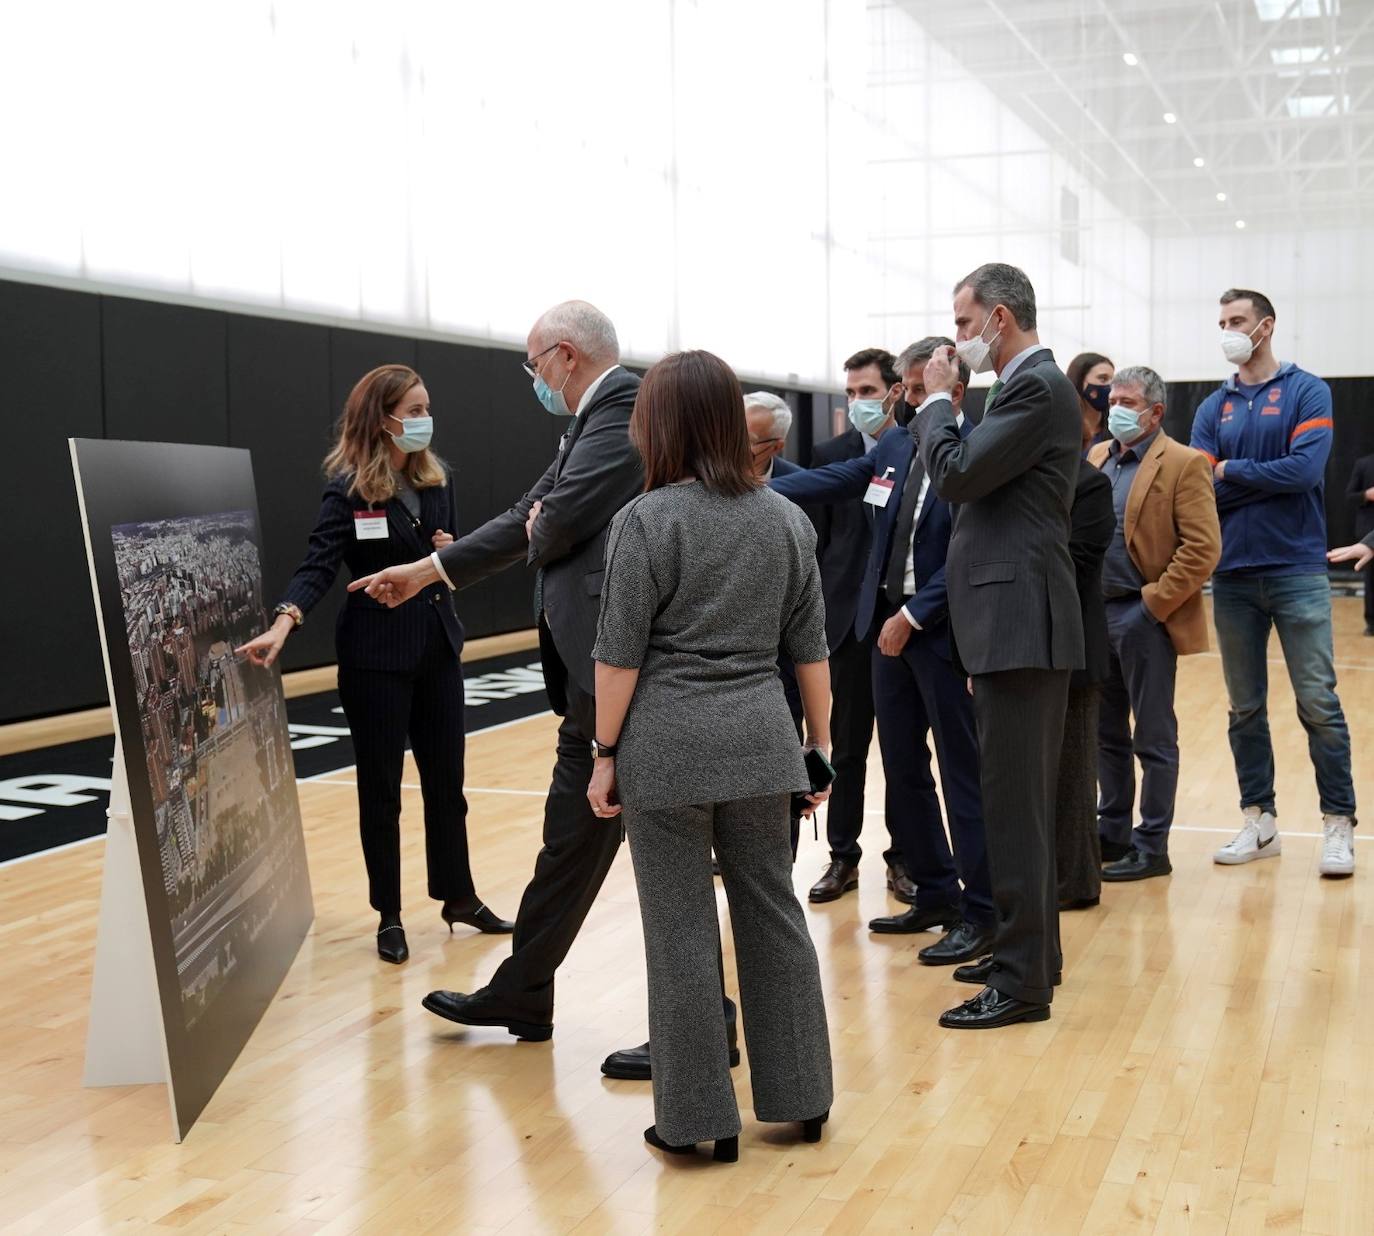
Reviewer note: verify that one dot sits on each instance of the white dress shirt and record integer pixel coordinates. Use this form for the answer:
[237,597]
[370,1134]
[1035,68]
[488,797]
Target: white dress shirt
[909,582]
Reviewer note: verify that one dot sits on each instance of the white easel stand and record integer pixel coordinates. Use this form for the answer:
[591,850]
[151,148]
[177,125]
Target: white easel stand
[126,1043]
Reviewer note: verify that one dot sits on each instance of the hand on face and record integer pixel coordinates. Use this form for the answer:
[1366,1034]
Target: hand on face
[941,372]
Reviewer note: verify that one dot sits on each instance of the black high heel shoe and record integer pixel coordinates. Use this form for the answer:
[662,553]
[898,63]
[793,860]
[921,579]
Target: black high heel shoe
[391,940]
[726,1148]
[811,1129]
[481,918]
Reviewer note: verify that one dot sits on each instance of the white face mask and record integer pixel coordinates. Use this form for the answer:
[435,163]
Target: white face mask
[976,353]
[1236,347]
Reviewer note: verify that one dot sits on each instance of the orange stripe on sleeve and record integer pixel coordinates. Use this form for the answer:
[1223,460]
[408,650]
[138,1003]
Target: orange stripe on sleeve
[1207,455]
[1319,422]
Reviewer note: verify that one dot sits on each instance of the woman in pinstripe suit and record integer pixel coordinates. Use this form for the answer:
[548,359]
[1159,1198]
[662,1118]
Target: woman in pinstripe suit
[388,500]
[708,576]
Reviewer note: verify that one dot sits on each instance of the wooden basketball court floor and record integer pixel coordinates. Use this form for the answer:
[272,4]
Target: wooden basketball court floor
[1209,1065]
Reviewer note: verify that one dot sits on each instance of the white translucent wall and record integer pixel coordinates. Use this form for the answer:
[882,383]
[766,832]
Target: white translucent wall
[782,183]
[1319,282]
[450,165]
[956,179]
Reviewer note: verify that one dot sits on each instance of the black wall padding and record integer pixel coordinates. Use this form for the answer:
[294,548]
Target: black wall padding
[85,365]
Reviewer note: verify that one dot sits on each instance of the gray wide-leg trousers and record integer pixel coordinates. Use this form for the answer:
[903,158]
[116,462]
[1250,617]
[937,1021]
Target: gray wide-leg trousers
[782,1005]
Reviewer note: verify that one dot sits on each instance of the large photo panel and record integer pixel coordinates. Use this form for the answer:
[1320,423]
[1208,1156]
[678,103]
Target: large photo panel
[176,556]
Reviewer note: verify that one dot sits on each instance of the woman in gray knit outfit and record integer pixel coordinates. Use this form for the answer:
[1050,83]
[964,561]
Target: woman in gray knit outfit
[709,575]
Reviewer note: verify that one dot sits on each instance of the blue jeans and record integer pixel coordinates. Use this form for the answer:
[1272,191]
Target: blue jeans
[1299,608]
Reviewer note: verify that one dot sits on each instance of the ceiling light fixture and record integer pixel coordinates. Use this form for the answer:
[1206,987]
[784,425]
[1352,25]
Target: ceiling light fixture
[1240,223]
[1221,197]
[1199,161]
[1130,58]
[1170,118]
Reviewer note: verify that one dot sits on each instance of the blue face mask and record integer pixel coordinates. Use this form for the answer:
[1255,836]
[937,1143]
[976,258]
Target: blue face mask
[416,431]
[1123,423]
[867,415]
[553,400]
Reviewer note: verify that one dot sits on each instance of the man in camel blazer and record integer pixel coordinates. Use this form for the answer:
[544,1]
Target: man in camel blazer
[1167,542]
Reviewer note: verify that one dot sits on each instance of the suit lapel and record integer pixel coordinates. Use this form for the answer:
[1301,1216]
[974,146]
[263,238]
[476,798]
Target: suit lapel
[1144,477]
[1035,358]
[398,520]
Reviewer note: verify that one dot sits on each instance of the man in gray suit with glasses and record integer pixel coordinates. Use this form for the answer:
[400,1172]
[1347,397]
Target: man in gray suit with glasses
[1014,615]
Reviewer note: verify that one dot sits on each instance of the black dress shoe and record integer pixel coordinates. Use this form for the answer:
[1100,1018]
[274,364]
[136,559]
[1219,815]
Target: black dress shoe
[391,941]
[632,1063]
[901,885]
[964,942]
[1079,903]
[1137,865]
[915,919]
[1112,850]
[726,1148]
[481,918]
[836,880]
[480,1009]
[975,972]
[981,970]
[990,1009]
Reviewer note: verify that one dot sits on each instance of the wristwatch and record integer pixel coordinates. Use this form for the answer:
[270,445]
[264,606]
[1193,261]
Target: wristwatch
[602,751]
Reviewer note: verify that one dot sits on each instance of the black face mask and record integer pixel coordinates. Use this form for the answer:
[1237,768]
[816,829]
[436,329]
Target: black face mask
[1095,396]
[903,413]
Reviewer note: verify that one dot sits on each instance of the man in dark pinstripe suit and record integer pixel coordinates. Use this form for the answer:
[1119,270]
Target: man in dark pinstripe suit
[1014,614]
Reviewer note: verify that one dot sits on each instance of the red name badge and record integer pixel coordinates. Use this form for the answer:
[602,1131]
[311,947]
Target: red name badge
[369,525]
[880,489]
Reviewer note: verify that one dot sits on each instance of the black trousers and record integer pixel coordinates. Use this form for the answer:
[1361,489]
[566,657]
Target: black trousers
[918,694]
[426,704]
[577,853]
[1077,850]
[1020,730]
[851,733]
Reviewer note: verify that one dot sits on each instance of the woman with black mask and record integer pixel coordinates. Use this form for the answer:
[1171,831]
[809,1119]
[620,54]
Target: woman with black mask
[1091,375]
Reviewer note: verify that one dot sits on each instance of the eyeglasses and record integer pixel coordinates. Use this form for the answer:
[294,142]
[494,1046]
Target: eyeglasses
[528,365]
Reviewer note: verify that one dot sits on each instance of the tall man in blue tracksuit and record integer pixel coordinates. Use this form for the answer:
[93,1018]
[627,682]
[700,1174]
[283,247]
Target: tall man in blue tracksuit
[917,691]
[1267,434]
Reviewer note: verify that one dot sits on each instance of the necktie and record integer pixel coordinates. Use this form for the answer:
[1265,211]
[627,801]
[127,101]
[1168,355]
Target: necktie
[993,391]
[895,583]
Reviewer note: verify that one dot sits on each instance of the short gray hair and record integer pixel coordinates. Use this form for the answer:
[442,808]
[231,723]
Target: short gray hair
[995,284]
[781,410]
[1150,384]
[584,326]
[922,350]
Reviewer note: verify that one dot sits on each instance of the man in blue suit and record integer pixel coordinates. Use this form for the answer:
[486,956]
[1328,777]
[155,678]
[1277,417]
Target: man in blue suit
[916,689]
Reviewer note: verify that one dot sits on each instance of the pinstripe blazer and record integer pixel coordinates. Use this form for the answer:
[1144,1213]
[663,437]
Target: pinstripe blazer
[368,635]
[596,471]
[1013,602]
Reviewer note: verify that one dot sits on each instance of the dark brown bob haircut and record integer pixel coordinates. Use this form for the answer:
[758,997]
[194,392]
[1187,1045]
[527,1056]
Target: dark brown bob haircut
[689,421]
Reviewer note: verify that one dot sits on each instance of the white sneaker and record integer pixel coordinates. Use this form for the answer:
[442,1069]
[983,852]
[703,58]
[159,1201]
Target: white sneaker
[1259,838]
[1338,846]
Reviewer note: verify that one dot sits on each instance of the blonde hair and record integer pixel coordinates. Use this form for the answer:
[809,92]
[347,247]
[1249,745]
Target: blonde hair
[363,448]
